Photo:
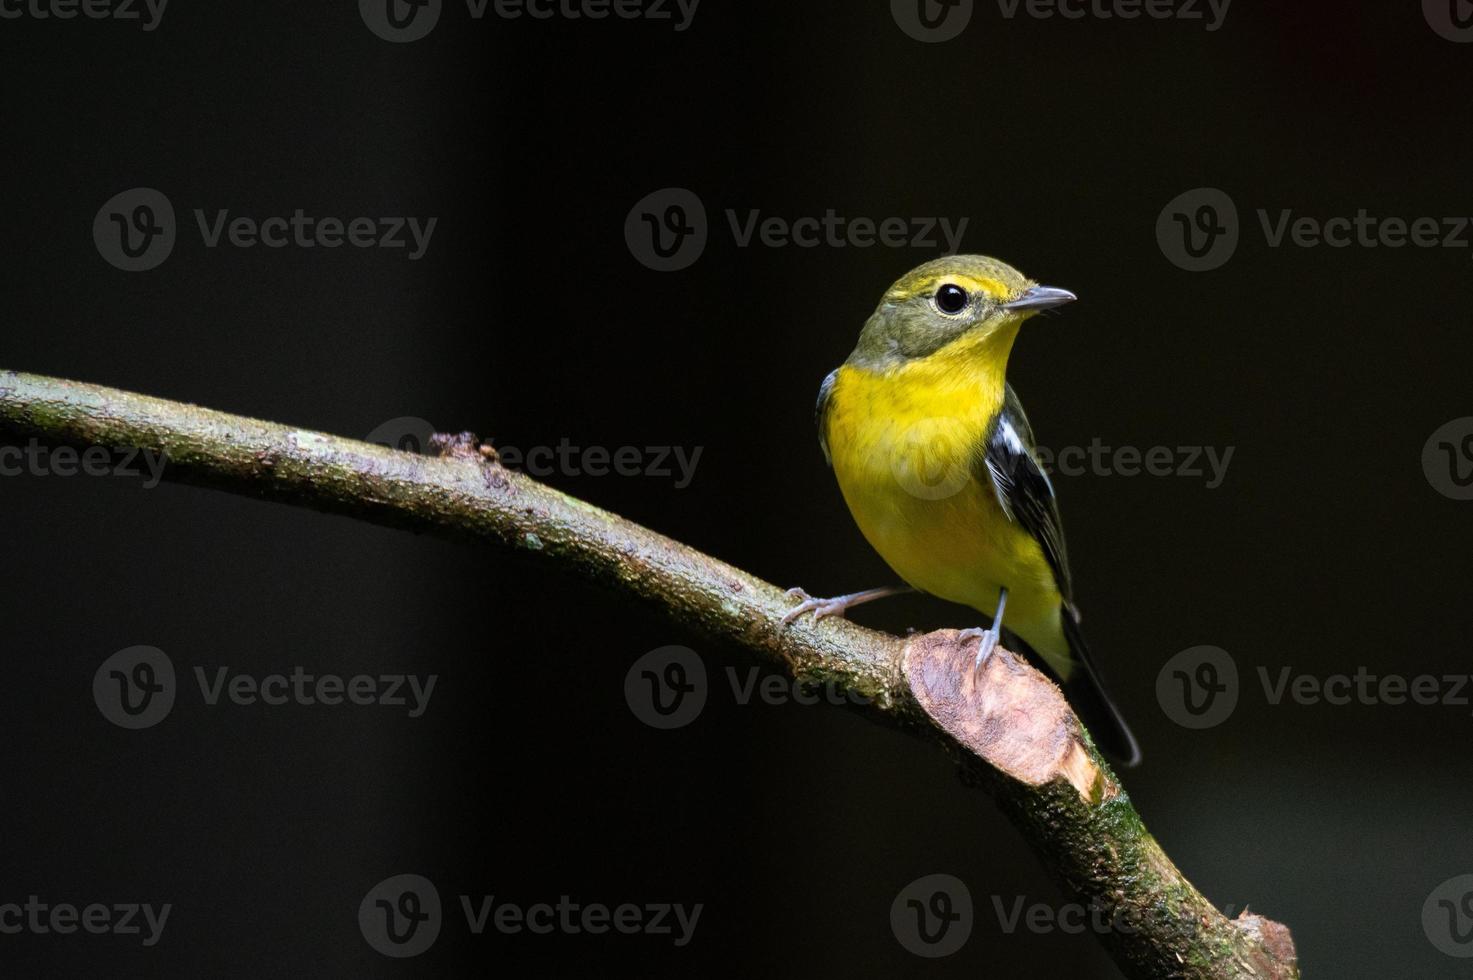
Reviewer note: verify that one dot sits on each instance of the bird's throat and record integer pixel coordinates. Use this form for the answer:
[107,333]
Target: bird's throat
[968,375]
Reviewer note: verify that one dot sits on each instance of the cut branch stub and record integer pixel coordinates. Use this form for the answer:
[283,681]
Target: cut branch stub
[1006,712]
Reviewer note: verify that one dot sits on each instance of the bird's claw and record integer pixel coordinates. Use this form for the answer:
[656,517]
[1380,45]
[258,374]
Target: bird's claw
[986,643]
[821,608]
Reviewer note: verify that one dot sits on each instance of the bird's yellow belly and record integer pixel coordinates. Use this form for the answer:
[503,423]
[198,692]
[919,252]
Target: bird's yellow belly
[906,458]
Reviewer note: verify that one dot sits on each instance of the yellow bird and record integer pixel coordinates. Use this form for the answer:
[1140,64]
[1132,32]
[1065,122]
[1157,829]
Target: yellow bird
[937,463]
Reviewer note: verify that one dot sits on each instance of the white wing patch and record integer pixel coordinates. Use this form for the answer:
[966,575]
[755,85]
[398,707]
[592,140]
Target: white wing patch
[1001,487]
[1010,436]
[1016,449]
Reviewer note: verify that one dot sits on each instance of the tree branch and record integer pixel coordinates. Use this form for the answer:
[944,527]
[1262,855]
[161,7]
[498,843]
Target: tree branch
[1008,726]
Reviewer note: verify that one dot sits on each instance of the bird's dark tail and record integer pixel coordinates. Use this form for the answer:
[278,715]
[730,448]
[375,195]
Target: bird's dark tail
[1086,692]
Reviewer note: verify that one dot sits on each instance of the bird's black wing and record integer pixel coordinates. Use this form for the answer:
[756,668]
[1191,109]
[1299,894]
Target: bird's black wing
[821,412]
[1023,488]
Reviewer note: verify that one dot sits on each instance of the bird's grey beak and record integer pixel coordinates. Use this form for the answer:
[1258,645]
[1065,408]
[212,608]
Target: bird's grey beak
[1040,298]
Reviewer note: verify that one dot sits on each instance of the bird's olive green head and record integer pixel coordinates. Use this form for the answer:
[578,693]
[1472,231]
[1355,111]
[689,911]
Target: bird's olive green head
[945,300]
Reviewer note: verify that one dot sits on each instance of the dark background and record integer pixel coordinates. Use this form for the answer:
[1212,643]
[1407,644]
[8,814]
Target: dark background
[529,321]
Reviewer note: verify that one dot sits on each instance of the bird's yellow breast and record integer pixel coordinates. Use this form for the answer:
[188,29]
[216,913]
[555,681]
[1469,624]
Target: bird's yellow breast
[907,444]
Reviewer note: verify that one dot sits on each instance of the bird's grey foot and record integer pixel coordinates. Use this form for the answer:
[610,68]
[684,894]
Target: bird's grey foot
[988,638]
[821,608]
[838,605]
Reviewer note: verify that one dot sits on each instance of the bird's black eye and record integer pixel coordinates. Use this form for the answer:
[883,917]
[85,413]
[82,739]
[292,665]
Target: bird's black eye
[951,299]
